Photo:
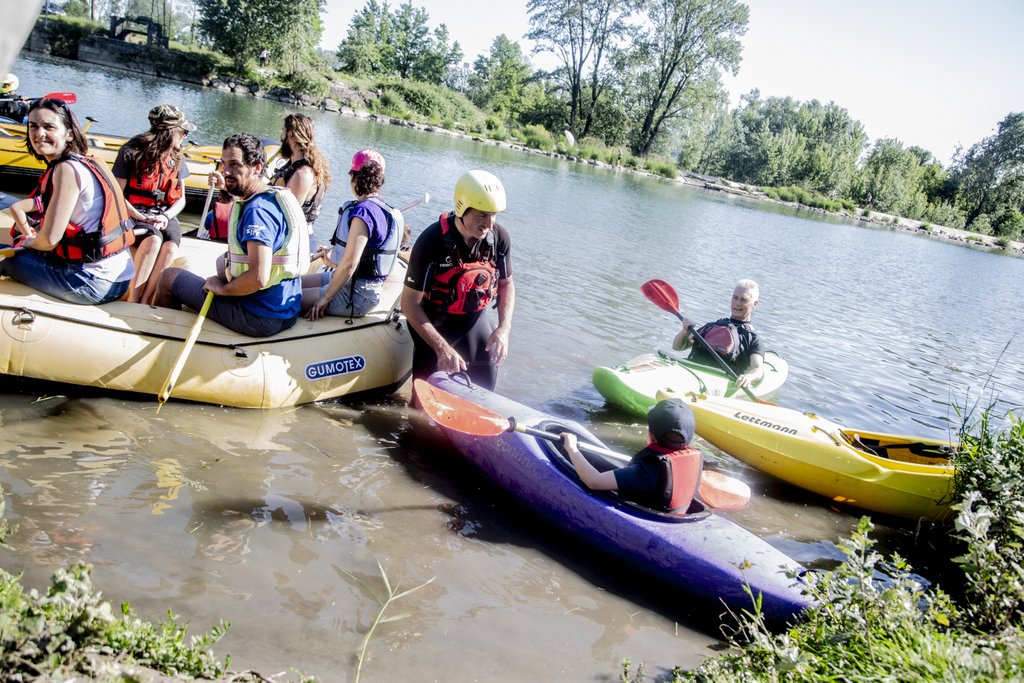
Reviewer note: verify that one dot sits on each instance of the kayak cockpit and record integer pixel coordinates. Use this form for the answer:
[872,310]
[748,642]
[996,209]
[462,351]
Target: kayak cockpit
[553,450]
[899,450]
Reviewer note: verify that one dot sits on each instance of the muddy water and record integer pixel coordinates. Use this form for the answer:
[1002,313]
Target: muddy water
[280,522]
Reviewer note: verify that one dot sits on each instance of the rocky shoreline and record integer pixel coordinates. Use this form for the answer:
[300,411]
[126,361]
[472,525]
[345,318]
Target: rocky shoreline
[346,101]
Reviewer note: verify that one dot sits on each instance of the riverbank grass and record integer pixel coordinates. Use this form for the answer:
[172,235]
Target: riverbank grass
[71,631]
[876,621]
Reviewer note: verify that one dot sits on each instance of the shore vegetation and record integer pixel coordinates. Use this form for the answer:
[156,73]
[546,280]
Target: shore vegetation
[640,79]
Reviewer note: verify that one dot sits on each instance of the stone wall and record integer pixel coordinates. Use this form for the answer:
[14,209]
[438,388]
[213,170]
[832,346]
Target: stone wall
[154,61]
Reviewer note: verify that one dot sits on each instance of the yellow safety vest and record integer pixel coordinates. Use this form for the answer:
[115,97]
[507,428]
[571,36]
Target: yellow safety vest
[292,259]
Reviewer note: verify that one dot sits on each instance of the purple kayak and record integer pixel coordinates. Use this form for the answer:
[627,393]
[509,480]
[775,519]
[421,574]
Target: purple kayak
[700,553]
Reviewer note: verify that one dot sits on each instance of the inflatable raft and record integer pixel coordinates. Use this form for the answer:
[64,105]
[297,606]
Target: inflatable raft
[21,170]
[634,385]
[132,347]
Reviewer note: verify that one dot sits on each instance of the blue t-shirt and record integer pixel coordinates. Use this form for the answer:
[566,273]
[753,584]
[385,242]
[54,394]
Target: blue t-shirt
[262,221]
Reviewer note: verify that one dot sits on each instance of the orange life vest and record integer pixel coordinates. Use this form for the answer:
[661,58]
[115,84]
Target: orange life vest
[160,187]
[465,287]
[114,234]
[680,473]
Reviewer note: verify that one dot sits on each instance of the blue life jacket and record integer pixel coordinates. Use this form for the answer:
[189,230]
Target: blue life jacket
[376,262]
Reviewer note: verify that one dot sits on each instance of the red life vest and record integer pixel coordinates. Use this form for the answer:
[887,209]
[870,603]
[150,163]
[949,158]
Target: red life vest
[160,187]
[115,230]
[680,474]
[217,221]
[465,287]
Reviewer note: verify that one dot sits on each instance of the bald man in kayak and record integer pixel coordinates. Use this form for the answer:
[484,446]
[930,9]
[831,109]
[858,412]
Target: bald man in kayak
[733,338]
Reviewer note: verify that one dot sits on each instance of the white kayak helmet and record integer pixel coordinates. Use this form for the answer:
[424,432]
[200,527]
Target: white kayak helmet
[9,84]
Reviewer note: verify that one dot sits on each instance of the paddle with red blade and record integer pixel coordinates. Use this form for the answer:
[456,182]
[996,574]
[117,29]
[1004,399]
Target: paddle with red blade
[661,294]
[461,415]
[65,97]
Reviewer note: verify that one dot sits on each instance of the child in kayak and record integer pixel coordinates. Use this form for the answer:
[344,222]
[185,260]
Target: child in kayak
[664,474]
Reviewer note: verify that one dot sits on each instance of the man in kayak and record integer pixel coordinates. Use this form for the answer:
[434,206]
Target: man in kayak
[12,105]
[733,338]
[664,474]
[460,269]
[259,292]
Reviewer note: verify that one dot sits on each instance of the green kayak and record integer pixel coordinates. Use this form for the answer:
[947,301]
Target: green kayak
[634,384]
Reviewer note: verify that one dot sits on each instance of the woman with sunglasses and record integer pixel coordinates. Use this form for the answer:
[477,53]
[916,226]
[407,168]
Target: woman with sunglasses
[151,171]
[75,244]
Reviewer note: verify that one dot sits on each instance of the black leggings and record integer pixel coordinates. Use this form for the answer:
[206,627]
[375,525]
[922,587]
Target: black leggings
[468,335]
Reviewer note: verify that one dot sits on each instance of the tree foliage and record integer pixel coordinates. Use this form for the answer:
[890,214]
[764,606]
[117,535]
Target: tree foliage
[382,42]
[583,35]
[499,79]
[682,49]
[242,28]
[989,177]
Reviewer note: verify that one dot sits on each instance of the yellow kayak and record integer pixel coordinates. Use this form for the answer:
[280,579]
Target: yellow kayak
[902,476]
[16,164]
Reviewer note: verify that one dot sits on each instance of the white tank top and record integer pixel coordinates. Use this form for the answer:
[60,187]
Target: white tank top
[88,213]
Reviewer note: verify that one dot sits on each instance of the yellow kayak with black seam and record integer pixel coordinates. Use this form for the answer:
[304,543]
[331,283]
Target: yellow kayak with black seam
[20,170]
[890,474]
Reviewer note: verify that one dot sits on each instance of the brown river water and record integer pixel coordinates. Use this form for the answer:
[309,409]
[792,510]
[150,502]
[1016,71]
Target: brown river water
[280,522]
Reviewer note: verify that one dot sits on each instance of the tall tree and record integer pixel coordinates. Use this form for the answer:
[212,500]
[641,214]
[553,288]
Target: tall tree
[684,45]
[368,48]
[988,177]
[499,79]
[385,43]
[242,28]
[582,34]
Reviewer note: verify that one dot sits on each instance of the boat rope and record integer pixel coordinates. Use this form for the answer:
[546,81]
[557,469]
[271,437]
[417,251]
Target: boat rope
[23,315]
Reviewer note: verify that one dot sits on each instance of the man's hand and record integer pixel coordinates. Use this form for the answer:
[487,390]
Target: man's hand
[214,284]
[449,360]
[497,345]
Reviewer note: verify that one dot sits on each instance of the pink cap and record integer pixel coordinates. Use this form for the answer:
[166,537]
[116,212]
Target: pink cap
[364,155]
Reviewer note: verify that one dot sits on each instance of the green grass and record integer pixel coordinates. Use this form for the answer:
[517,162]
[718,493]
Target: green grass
[864,629]
[60,633]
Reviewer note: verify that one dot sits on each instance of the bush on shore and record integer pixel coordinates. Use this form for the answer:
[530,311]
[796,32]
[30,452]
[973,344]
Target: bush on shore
[869,628]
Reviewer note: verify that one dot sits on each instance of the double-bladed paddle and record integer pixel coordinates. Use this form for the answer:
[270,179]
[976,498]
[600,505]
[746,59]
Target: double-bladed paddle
[461,415]
[662,295]
[65,97]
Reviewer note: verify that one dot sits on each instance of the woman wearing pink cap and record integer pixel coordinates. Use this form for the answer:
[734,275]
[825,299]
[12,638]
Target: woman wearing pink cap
[363,248]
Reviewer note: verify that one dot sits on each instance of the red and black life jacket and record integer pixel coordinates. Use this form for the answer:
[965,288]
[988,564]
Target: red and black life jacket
[724,337]
[680,474]
[465,287]
[115,230]
[159,188]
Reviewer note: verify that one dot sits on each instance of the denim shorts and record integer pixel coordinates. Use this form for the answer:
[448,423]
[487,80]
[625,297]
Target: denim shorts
[352,301]
[60,279]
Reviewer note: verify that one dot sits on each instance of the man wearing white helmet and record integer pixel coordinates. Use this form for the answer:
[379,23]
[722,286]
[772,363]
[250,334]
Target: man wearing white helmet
[12,105]
[460,269]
